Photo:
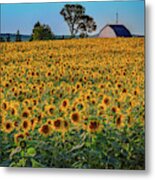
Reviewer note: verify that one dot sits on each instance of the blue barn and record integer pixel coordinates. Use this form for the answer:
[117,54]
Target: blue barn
[114,30]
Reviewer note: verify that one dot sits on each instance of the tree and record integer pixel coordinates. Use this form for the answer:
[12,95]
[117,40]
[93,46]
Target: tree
[8,39]
[18,37]
[2,39]
[41,32]
[77,20]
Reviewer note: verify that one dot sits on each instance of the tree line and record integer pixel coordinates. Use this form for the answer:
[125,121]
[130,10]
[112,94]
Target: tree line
[79,24]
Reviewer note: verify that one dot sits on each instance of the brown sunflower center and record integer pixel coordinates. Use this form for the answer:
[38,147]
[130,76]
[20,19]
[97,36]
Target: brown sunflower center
[75,117]
[93,125]
[45,129]
[8,125]
[106,101]
[25,124]
[57,123]
[25,114]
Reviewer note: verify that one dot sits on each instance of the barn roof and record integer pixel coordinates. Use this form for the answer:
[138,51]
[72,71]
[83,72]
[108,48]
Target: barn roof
[119,29]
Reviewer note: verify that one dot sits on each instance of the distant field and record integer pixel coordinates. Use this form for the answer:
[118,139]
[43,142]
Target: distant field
[73,103]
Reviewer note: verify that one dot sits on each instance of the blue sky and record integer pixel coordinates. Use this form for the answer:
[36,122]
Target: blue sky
[24,16]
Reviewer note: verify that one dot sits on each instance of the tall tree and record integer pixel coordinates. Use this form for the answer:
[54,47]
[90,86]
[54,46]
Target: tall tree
[78,22]
[18,37]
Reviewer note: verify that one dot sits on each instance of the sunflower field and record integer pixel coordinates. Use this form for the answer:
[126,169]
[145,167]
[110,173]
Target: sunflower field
[73,104]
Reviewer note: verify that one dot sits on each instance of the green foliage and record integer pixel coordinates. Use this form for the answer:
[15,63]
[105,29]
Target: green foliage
[8,39]
[18,37]
[110,149]
[2,39]
[41,32]
[77,21]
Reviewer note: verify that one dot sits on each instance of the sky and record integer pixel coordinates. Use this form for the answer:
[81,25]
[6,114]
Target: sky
[23,16]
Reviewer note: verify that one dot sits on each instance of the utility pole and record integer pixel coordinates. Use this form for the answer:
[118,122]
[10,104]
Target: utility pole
[117,18]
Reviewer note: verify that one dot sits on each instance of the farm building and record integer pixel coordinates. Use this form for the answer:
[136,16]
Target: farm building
[114,30]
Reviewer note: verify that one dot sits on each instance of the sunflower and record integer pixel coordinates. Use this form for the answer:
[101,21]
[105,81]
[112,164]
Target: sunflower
[4,105]
[16,124]
[39,117]
[45,130]
[81,106]
[26,102]
[49,122]
[48,74]
[64,104]
[106,100]
[58,124]
[94,126]
[120,121]
[75,117]
[115,110]
[50,109]
[13,111]
[136,91]
[33,123]
[93,101]
[18,137]
[8,126]
[65,126]
[25,113]
[78,85]
[26,125]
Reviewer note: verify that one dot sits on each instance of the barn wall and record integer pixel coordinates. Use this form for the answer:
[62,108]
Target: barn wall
[107,32]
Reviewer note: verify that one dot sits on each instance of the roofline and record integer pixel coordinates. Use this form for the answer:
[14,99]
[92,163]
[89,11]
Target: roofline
[112,29]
